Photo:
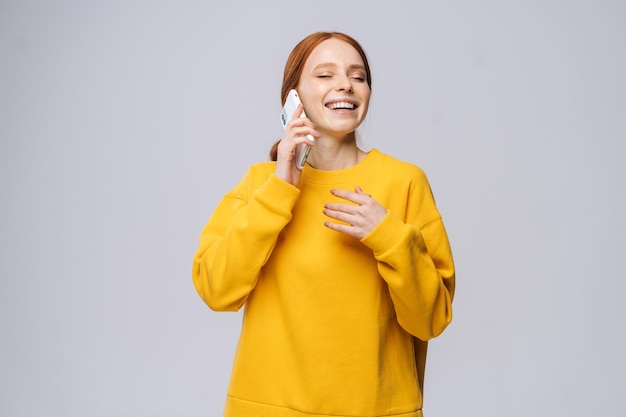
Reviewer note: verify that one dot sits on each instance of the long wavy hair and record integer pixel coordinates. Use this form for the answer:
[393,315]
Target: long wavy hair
[299,55]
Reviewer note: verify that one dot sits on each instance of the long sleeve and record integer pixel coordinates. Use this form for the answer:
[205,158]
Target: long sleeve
[239,238]
[334,323]
[415,260]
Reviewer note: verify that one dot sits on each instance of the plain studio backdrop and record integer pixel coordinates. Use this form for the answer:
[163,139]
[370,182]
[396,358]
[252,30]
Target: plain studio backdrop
[122,124]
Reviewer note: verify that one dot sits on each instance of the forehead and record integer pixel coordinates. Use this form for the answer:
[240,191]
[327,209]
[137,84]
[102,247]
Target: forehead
[334,51]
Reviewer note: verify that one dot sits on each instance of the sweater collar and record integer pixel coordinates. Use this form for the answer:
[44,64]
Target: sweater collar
[317,176]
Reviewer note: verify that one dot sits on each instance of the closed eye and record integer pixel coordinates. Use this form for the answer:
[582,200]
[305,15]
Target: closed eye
[358,76]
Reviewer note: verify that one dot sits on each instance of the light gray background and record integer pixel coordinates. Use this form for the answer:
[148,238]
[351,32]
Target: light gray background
[122,123]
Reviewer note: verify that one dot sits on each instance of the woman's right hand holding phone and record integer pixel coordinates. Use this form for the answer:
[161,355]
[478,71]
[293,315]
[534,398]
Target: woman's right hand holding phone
[295,134]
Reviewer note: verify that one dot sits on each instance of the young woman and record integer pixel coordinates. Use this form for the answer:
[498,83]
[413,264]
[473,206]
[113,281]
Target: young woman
[344,268]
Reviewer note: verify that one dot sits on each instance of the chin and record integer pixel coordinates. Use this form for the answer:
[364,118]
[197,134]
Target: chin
[343,128]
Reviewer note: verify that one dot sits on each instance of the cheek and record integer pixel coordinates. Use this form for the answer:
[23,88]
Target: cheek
[366,93]
[308,105]
[311,98]
[365,99]
[304,90]
[310,91]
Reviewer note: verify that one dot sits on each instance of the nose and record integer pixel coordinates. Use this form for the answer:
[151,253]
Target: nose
[344,84]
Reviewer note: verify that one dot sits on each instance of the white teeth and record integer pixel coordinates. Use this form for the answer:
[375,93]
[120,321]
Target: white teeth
[341,105]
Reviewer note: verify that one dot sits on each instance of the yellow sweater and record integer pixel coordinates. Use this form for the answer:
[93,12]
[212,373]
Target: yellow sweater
[332,326]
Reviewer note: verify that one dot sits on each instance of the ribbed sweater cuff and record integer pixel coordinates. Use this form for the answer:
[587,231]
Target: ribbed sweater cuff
[389,233]
[277,193]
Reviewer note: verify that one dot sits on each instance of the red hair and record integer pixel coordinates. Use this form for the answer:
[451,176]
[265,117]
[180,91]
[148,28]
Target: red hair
[299,55]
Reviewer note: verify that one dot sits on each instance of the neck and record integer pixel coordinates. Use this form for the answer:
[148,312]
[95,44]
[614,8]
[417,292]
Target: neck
[330,154]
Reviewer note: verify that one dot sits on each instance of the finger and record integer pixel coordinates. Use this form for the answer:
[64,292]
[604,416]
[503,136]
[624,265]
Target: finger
[348,230]
[339,207]
[302,127]
[298,112]
[345,194]
[353,197]
[297,116]
[309,132]
[343,216]
[298,132]
[336,226]
[302,123]
[305,132]
[358,190]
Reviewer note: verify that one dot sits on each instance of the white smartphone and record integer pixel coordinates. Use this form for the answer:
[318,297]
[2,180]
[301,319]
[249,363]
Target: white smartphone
[292,103]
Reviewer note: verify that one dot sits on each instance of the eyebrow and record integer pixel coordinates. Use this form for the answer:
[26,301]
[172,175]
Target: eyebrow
[329,64]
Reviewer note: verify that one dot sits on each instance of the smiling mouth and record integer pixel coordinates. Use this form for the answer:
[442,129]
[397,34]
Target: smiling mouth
[341,105]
